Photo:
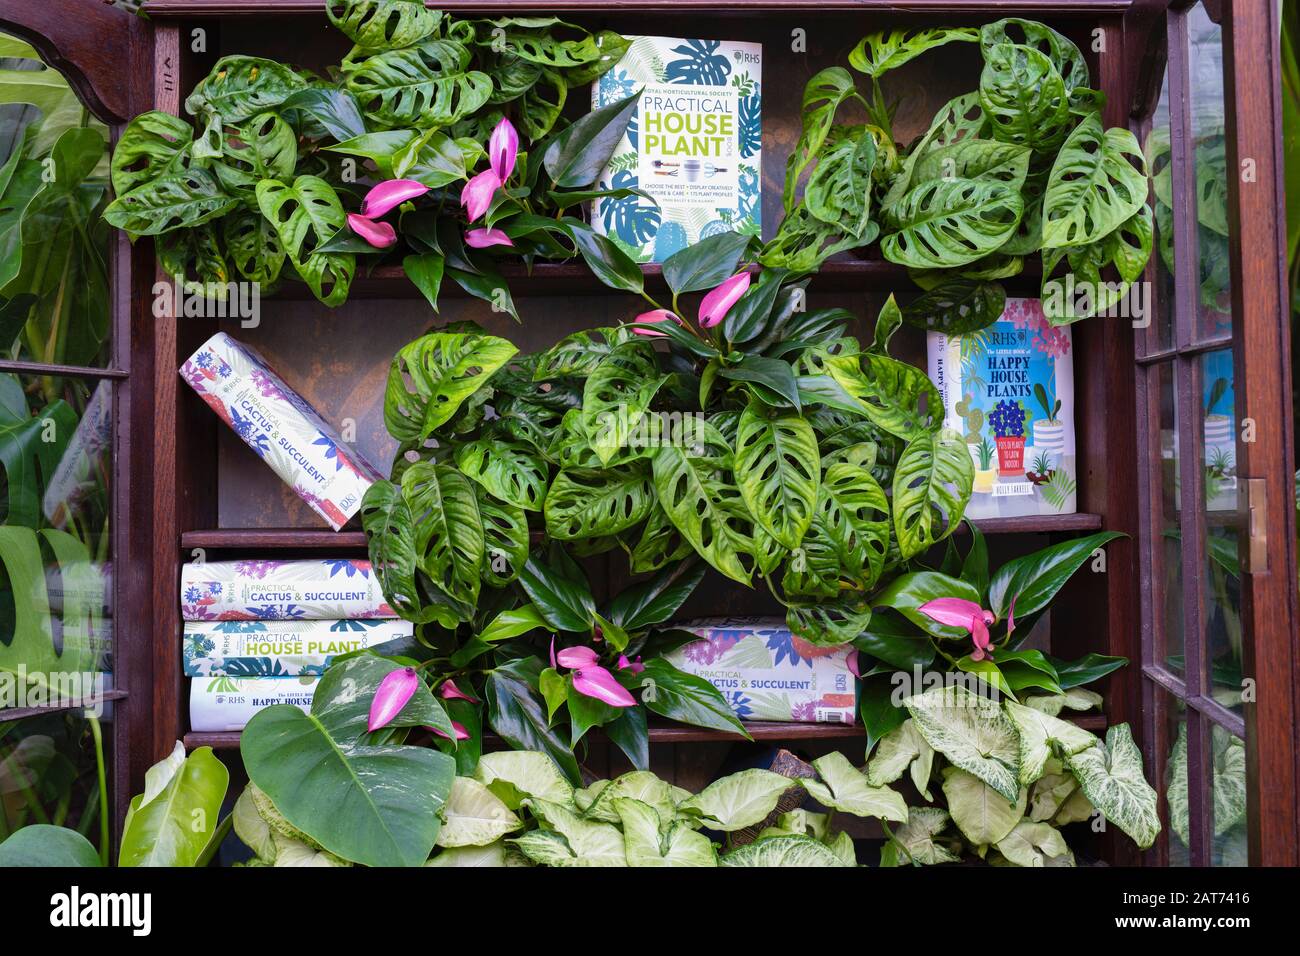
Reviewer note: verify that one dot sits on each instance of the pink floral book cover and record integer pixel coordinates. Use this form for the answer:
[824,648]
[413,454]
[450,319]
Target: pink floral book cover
[1009,390]
[316,589]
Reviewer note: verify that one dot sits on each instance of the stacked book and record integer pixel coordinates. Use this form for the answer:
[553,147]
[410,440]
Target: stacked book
[263,632]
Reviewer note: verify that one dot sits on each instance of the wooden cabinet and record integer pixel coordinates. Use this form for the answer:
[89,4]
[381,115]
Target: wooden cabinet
[187,487]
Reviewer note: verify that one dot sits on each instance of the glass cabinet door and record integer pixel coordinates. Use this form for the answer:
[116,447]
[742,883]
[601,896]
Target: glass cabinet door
[1218,555]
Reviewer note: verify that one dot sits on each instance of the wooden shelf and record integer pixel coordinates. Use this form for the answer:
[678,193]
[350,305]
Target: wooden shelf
[322,539]
[683,734]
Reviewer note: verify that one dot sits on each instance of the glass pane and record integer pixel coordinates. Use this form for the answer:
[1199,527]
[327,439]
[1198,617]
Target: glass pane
[55,564]
[1228,785]
[1174,714]
[1223,632]
[1205,71]
[1161,334]
[1169,591]
[48,774]
[54,297]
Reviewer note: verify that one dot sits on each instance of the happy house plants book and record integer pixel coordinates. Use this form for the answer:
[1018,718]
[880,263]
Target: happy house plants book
[1009,390]
[693,147]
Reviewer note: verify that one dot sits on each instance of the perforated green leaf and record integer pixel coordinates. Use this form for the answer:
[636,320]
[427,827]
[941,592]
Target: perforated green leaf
[822,96]
[448,530]
[957,306]
[182,199]
[433,375]
[237,89]
[383,24]
[307,214]
[509,470]
[1024,97]
[878,53]
[589,504]
[1097,183]
[778,471]
[932,484]
[897,397]
[253,246]
[950,222]
[839,190]
[849,538]
[146,148]
[616,396]
[505,538]
[429,85]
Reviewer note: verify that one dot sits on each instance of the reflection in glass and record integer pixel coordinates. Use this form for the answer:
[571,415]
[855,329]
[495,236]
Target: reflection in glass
[1175,781]
[1158,154]
[1171,573]
[54,302]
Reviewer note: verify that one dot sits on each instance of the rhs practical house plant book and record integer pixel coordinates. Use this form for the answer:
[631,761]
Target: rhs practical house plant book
[693,148]
[1009,390]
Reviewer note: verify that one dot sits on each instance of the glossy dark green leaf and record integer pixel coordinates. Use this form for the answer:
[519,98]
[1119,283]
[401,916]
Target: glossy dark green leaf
[654,601]
[607,262]
[705,264]
[559,592]
[686,698]
[332,108]
[578,155]
[1033,580]
[1086,669]
[518,714]
[876,706]
[631,735]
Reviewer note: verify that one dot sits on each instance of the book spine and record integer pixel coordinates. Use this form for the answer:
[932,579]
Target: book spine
[279,648]
[227,704]
[312,590]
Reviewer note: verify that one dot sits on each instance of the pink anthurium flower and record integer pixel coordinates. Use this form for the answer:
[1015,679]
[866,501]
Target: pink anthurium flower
[718,303]
[635,666]
[391,696]
[390,194]
[449,691]
[503,147]
[652,317]
[851,661]
[967,615]
[482,238]
[379,234]
[477,194]
[457,727]
[589,678]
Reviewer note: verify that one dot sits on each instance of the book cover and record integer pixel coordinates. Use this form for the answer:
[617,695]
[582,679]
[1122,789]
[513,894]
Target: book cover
[694,145]
[226,704]
[257,589]
[279,648]
[1009,389]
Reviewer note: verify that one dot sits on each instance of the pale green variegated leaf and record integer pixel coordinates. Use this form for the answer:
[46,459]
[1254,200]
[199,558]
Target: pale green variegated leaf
[592,843]
[528,773]
[900,749]
[290,852]
[1050,792]
[474,816]
[1043,736]
[898,398]
[493,855]
[981,813]
[972,732]
[1110,776]
[443,369]
[1035,844]
[777,471]
[842,846]
[546,847]
[915,842]
[932,484]
[1098,181]
[739,800]
[783,851]
[641,786]
[846,789]
[1076,698]
[1228,782]
[589,504]
[644,845]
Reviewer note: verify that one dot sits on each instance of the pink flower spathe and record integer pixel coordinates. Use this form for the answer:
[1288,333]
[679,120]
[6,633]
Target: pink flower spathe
[379,234]
[503,148]
[391,696]
[477,194]
[390,194]
[482,238]
[718,302]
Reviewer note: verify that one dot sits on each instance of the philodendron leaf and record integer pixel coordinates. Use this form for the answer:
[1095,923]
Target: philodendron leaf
[644,846]
[430,85]
[783,851]
[1035,844]
[306,214]
[951,222]
[739,800]
[897,397]
[1043,736]
[822,96]
[524,774]
[443,369]
[1024,96]
[1062,52]
[1097,183]
[849,537]
[172,822]
[932,484]
[982,814]
[383,24]
[839,190]
[845,788]
[900,749]
[972,732]
[1111,778]
[914,843]
[40,844]
[1091,292]
[474,816]
[878,53]
[448,531]
[375,804]
[777,471]
[176,200]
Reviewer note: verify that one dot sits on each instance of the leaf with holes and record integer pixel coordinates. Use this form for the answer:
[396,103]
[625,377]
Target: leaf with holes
[430,85]
[305,215]
[878,53]
[697,492]
[505,539]
[147,148]
[778,471]
[178,200]
[1102,271]
[237,89]
[1097,183]
[829,623]
[932,483]
[849,538]
[383,24]
[950,222]
[1024,97]
[822,96]
[254,246]
[576,355]
[891,393]
[839,190]
[433,375]
[265,147]
[969,158]
[390,537]
[590,504]
[616,397]
[511,471]
[448,531]
[956,307]
[1059,49]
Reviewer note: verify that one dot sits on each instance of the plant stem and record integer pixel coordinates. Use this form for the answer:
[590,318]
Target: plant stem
[97,733]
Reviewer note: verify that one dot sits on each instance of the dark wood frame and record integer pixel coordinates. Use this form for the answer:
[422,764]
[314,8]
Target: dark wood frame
[166,452]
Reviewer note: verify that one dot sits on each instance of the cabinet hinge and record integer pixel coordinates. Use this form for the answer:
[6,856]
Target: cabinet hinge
[1252,502]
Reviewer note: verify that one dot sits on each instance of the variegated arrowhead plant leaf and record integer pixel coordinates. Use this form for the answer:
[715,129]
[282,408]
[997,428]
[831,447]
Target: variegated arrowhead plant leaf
[982,814]
[1110,776]
[740,800]
[846,788]
[900,750]
[916,841]
[972,732]
[1043,736]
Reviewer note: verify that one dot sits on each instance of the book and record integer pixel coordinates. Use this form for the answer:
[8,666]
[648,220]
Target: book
[281,427]
[1009,390]
[767,673]
[694,145]
[226,704]
[318,589]
[279,648]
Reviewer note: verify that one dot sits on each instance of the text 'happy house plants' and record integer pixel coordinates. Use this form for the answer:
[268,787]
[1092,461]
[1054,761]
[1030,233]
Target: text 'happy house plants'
[740,436]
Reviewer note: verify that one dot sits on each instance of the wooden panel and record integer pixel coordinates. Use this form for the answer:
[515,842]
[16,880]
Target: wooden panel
[720,8]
